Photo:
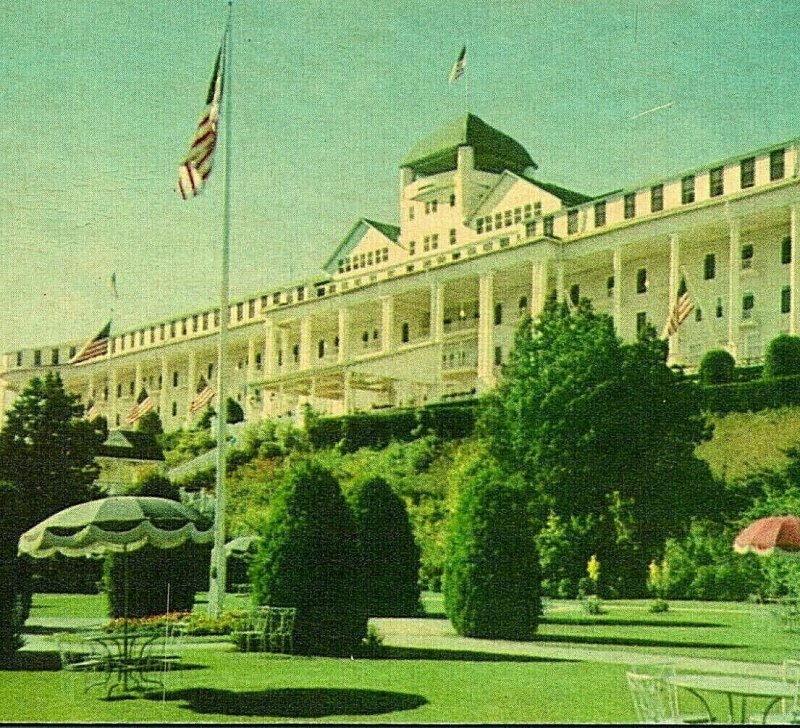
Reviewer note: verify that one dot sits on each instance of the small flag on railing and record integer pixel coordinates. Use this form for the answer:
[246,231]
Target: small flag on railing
[202,397]
[144,404]
[94,348]
[196,167]
[458,67]
[683,306]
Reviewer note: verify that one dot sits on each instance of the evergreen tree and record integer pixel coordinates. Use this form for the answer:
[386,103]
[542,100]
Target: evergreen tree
[492,575]
[391,555]
[150,423]
[310,559]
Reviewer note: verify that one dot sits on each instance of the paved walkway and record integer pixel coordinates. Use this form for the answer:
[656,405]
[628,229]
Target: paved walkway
[439,634]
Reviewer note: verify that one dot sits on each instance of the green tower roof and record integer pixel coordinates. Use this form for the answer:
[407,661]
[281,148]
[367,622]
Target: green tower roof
[494,151]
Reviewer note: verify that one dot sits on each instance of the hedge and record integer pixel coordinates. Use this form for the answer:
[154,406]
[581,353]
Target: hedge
[752,396]
[447,421]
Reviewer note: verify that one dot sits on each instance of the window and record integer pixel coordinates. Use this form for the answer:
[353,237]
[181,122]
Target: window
[105,394]
[641,322]
[776,164]
[195,319]
[718,311]
[786,250]
[517,214]
[205,321]
[117,420]
[600,213]
[715,184]
[507,221]
[210,371]
[747,256]
[479,225]
[405,333]
[488,223]
[698,313]
[548,226]
[19,358]
[610,286]
[530,229]
[575,294]
[537,209]
[426,243]
[434,241]
[709,267]
[174,379]
[657,198]
[452,236]
[412,247]
[184,326]
[321,348]
[641,280]
[687,190]
[296,353]
[72,351]
[498,220]
[37,358]
[523,303]
[131,389]
[251,307]
[410,213]
[572,222]
[528,211]
[498,355]
[152,334]
[162,329]
[54,357]
[216,317]
[786,299]
[280,357]
[498,314]
[452,200]
[174,410]
[630,205]
[748,304]
[119,391]
[747,172]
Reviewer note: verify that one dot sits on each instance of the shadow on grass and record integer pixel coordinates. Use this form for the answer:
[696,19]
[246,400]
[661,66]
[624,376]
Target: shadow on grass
[617,622]
[31,661]
[293,702]
[420,653]
[630,641]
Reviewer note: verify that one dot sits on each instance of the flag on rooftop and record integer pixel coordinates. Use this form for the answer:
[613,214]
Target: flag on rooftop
[196,167]
[92,410]
[683,306]
[94,348]
[113,284]
[144,404]
[458,66]
[202,397]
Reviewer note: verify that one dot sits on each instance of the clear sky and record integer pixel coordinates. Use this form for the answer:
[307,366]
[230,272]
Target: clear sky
[99,99]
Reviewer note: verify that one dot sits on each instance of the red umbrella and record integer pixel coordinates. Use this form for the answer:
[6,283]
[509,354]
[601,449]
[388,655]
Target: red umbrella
[766,535]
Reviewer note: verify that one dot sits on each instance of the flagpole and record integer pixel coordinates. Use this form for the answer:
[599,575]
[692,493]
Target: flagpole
[216,588]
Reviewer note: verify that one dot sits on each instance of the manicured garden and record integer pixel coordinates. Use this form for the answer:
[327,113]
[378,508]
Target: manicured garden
[573,671]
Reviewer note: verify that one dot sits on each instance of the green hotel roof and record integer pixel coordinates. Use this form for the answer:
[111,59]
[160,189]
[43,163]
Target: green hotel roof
[494,151]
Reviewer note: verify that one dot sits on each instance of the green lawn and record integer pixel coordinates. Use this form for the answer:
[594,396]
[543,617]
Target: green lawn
[440,678]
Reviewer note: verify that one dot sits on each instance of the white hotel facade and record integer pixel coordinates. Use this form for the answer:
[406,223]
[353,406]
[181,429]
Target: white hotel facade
[426,310]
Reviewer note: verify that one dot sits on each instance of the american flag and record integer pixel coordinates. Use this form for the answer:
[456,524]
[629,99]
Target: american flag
[94,348]
[92,410]
[202,397]
[458,67]
[196,167]
[683,306]
[144,404]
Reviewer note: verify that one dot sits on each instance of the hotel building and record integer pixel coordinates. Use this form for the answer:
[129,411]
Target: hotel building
[426,310]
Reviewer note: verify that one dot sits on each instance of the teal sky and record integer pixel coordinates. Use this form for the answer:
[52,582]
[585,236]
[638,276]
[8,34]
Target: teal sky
[99,99]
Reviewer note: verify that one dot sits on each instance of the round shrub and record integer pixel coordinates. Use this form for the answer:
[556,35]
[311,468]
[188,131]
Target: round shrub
[310,559]
[159,580]
[492,574]
[717,367]
[391,555]
[782,357]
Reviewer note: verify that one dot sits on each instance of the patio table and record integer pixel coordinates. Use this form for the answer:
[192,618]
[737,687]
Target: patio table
[740,686]
[127,658]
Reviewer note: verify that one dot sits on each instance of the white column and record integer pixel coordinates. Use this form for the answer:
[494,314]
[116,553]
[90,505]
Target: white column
[617,273]
[270,349]
[486,329]
[113,408]
[162,395]
[137,379]
[348,392]
[305,342]
[674,278]
[387,324]
[249,394]
[734,270]
[561,294]
[191,384]
[538,288]
[437,312]
[344,344]
[794,271]
[283,347]
[251,359]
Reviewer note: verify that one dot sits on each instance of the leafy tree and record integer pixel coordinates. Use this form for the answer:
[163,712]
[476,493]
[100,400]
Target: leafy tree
[234,411]
[782,357]
[150,423]
[310,559]
[717,367]
[491,579]
[391,555]
[157,578]
[605,429]
[47,450]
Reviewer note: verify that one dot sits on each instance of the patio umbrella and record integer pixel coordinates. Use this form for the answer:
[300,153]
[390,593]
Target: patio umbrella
[242,545]
[768,535]
[115,524]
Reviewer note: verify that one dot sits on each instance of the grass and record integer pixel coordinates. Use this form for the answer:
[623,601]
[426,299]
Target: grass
[426,673]
[744,442]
